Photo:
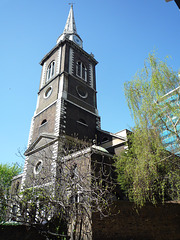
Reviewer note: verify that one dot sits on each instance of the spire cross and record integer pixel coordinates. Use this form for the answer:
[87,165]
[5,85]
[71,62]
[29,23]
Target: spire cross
[72,3]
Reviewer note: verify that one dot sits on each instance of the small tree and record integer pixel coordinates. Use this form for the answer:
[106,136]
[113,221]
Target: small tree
[7,172]
[61,204]
[147,172]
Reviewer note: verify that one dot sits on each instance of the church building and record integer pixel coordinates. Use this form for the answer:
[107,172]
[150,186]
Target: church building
[66,113]
[67,102]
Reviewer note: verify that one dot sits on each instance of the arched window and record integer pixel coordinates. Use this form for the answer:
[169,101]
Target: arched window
[78,69]
[43,122]
[84,72]
[17,186]
[81,70]
[105,139]
[50,71]
[82,121]
[38,167]
[14,210]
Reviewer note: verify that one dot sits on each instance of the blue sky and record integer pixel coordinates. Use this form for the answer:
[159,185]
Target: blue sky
[120,33]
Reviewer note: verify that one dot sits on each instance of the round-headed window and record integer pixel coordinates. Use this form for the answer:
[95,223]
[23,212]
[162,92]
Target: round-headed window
[48,92]
[38,167]
[50,71]
[105,139]
[82,121]
[43,122]
[17,186]
[81,92]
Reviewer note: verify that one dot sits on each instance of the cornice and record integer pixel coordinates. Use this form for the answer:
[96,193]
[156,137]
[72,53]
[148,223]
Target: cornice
[72,44]
[67,74]
[82,51]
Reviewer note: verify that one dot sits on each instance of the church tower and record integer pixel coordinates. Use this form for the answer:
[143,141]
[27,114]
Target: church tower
[66,103]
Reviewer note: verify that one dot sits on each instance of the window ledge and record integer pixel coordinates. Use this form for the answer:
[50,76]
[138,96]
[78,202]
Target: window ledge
[82,123]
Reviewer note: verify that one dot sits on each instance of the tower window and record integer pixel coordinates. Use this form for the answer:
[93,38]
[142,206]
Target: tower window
[48,92]
[50,71]
[81,70]
[78,69]
[82,121]
[105,139]
[38,167]
[17,186]
[14,210]
[81,92]
[43,122]
[84,72]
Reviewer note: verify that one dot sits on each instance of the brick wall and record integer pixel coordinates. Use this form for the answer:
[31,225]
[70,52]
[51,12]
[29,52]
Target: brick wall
[149,223]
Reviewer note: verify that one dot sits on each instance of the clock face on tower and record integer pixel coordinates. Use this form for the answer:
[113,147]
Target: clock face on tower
[77,40]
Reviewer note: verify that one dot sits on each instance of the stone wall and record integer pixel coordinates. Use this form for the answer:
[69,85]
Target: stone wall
[149,223]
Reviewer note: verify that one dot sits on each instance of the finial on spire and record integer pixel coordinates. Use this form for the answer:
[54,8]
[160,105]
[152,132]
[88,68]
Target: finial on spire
[71,4]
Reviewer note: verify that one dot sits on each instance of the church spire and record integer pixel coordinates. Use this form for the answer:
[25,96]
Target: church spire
[70,26]
[70,31]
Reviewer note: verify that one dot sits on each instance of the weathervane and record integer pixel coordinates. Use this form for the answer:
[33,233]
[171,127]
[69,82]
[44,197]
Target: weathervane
[72,3]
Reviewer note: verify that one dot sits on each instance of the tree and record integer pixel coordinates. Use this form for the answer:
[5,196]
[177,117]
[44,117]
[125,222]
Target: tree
[7,172]
[147,172]
[60,203]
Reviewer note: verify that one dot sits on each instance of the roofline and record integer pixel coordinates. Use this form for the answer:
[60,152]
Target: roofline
[62,43]
[30,150]
[18,176]
[112,134]
[84,151]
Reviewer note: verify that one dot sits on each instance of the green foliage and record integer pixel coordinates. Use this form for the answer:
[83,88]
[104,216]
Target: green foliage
[148,86]
[147,172]
[36,204]
[7,172]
